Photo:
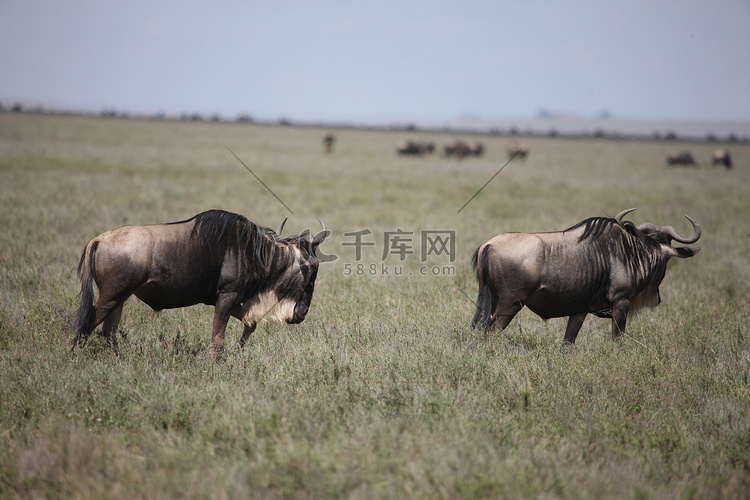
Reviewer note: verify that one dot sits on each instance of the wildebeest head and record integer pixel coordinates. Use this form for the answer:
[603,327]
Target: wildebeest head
[650,236]
[293,266]
[306,271]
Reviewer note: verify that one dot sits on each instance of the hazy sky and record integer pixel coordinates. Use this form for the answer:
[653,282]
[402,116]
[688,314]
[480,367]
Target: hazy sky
[380,60]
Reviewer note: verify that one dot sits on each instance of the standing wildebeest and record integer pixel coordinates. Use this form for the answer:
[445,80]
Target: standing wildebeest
[601,266]
[684,158]
[457,148]
[216,258]
[721,157]
[328,141]
[516,149]
[461,149]
[415,148]
[477,149]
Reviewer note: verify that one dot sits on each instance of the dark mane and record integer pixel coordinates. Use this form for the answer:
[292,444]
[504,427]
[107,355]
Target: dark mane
[593,227]
[211,226]
[265,251]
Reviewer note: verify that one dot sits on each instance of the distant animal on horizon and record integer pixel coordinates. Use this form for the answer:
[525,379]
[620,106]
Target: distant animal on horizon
[721,157]
[682,158]
[603,266]
[518,150]
[217,258]
[461,149]
[415,148]
[328,142]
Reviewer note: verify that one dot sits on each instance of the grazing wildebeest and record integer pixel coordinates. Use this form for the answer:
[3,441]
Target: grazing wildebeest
[457,148]
[216,258]
[516,149]
[602,266]
[461,149]
[721,157]
[684,158]
[328,141]
[415,148]
[408,148]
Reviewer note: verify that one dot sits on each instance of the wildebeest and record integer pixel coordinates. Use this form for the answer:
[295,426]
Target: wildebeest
[516,149]
[216,258]
[457,148]
[461,149]
[602,266]
[415,148]
[721,157]
[328,141]
[684,158]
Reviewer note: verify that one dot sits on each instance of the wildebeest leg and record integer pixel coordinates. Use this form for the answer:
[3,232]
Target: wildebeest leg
[619,317]
[109,326]
[249,328]
[108,312]
[249,325]
[222,310]
[91,315]
[504,314]
[574,326]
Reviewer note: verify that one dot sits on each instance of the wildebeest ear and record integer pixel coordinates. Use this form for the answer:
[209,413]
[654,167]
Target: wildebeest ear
[685,252]
[647,228]
[320,237]
[682,252]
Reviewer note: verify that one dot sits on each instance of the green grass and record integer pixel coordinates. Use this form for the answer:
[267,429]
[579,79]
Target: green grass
[383,391]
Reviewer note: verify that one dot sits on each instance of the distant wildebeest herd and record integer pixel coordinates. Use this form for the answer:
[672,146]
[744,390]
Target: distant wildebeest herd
[461,149]
[454,149]
[602,266]
[457,149]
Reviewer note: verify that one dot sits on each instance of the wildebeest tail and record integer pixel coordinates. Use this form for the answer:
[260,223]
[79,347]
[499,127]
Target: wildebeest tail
[86,311]
[480,263]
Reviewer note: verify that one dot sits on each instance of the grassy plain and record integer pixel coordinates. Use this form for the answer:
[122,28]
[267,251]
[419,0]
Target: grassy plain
[383,391]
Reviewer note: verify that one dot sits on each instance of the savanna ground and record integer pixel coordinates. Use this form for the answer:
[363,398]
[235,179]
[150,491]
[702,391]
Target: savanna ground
[383,391]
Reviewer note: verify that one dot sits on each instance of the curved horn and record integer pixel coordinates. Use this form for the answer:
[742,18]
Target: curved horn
[321,235]
[646,227]
[672,234]
[622,214]
[281,227]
